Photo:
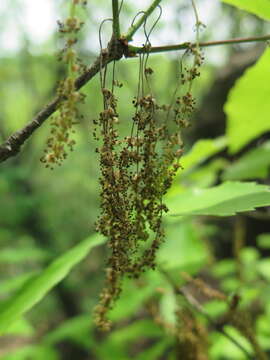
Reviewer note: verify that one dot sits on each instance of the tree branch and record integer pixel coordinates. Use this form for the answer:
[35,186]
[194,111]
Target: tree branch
[115,50]
[12,145]
[116,25]
[187,45]
[138,24]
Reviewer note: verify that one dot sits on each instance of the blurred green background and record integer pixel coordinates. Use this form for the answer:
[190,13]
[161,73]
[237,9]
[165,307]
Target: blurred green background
[44,213]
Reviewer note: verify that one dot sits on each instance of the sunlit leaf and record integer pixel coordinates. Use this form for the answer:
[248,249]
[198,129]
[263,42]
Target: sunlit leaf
[248,105]
[222,345]
[31,352]
[264,268]
[263,241]
[168,306]
[133,297]
[183,248]
[260,8]
[226,199]
[37,287]
[21,327]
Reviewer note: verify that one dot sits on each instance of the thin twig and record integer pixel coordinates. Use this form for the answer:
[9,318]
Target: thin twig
[187,45]
[141,21]
[12,145]
[116,25]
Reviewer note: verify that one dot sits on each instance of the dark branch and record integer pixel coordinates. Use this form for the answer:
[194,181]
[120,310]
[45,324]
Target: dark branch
[115,51]
[12,145]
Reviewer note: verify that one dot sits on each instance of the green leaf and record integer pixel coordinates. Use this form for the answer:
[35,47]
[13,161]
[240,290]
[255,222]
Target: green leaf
[76,329]
[119,342]
[131,299]
[21,327]
[37,287]
[155,351]
[253,164]
[248,105]
[183,248]
[226,199]
[26,254]
[201,151]
[168,307]
[264,268]
[16,282]
[263,241]
[260,8]
[222,345]
[32,352]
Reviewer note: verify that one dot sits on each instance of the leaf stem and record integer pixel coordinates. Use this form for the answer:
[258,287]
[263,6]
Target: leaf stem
[116,25]
[132,30]
[187,45]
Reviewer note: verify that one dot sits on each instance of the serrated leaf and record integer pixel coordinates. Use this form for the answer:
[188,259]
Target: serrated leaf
[254,164]
[260,8]
[248,105]
[38,286]
[226,199]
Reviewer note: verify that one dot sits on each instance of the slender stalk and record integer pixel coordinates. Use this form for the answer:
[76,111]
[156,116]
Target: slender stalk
[186,45]
[13,143]
[116,25]
[142,19]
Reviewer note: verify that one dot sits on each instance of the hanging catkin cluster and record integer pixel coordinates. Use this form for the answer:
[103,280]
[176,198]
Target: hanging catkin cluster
[62,124]
[136,172]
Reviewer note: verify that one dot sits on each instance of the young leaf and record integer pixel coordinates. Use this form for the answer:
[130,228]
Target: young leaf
[248,105]
[38,286]
[260,8]
[223,200]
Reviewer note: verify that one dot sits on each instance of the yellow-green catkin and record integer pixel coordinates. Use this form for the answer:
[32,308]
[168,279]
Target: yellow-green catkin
[62,124]
[136,172]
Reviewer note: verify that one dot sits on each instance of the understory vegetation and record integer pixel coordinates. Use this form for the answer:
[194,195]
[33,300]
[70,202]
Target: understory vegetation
[135,199]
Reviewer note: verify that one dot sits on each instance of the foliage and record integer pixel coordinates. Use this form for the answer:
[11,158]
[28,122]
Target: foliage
[260,8]
[249,121]
[38,285]
[205,290]
[226,199]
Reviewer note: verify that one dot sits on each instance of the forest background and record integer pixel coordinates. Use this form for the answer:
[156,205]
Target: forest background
[48,215]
